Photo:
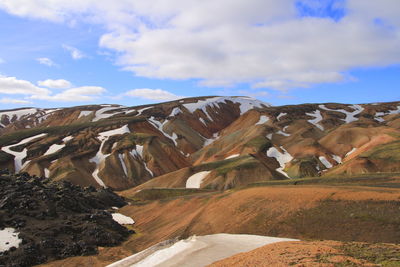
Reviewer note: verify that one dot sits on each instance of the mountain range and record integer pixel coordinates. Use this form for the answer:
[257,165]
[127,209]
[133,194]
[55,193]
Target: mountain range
[203,142]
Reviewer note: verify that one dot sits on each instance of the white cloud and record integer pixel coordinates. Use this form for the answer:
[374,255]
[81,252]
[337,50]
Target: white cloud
[152,94]
[58,84]
[78,94]
[11,85]
[2,61]
[75,52]
[261,42]
[14,101]
[46,61]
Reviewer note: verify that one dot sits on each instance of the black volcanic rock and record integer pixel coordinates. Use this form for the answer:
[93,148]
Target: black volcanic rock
[56,220]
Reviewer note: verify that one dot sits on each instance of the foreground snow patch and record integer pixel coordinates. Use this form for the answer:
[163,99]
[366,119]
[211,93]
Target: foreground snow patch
[195,180]
[122,219]
[198,251]
[8,239]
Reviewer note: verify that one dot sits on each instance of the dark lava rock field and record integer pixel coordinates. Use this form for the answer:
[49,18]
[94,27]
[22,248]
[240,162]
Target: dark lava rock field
[56,220]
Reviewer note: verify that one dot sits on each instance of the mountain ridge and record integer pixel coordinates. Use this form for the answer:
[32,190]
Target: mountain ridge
[237,140]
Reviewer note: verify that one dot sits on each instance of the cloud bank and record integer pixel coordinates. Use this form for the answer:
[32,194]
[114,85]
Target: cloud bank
[269,44]
[14,86]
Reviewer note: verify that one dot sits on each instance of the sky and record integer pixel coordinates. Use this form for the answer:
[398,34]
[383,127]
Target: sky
[59,53]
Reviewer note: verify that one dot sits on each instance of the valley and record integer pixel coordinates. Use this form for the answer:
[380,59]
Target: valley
[327,173]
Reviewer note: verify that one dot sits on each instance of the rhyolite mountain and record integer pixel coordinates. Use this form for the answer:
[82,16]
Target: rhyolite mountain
[224,141]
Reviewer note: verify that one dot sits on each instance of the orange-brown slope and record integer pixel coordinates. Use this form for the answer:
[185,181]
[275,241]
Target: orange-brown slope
[303,212]
[316,253]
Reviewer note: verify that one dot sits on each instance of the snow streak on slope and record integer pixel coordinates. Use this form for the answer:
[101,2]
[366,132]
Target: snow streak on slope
[195,180]
[350,152]
[54,148]
[18,113]
[245,104]
[138,152]
[121,159]
[84,113]
[160,127]
[282,133]
[233,156]
[101,113]
[197,251]
[337,158]
[282,158]
[100,157]
[350,116]
[20,156]
[326,163]
[263,119]
[317,118]
[379,115]
[8,239]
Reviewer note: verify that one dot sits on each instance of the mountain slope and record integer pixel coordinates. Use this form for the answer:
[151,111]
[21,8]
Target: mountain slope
[207,142]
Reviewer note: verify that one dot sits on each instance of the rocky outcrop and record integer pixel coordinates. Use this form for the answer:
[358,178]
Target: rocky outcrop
[55,220]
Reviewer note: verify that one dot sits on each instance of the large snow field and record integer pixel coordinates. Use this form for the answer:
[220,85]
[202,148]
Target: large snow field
[198,251]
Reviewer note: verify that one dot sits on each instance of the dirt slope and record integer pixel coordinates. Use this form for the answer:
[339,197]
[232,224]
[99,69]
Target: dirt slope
[305,212]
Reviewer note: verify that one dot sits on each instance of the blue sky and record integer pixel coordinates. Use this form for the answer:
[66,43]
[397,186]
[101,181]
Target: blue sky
[130,53]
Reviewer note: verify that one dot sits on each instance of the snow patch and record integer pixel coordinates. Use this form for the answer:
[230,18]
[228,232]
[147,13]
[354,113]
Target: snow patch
[282,158]
[337,158]
[160,127]
[122,160]
[101,113]
[280,116]
[175,112]
[67,139]
[138,152]
[197,251]
[100,157]
[282,133]
[20,156]
[195,180]
[350,116]
[8,239]
[245,104]
[122,219]
[53,149]
[350,152]
[46,173]
[379,115]
[263,119]
[326,163]
[18,114]
[233,156]
[84,113]
[140,111]
[317,118]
